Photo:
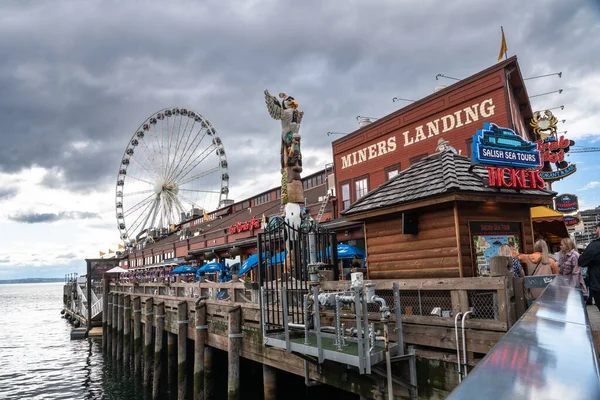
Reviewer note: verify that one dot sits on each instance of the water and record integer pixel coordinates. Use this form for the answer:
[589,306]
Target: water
[38,360]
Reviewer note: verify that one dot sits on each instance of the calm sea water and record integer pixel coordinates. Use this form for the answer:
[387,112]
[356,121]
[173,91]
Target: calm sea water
[38,360]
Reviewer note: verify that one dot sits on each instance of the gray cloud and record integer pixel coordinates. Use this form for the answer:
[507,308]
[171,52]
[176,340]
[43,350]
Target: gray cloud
[8,192]
[68,256]
[62,82]
[33,218]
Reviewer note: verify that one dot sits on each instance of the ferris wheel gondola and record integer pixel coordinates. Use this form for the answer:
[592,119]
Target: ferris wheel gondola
[173,166]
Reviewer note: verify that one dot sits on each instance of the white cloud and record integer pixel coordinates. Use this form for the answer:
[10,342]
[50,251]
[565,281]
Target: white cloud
[591,185]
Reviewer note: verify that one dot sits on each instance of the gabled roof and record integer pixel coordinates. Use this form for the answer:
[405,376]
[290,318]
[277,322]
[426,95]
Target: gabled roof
[437,175]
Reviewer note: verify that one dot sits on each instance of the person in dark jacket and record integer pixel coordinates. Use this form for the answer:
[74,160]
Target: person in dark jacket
[591,259]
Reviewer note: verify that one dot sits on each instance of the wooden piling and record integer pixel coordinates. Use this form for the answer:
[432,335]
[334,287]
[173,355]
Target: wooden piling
[158,346]
[137,335]
[199,344]
[105,302]
[120,327]
[209,383]
[126,330]
[269,382]
[115,323]
[233,350]
[108,333]
[171,359]
[182,321]
[148,317]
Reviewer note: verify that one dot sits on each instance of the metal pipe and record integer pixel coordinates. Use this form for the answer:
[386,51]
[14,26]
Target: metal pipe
[457,347]
[338,339]
[464,343]
[388,362]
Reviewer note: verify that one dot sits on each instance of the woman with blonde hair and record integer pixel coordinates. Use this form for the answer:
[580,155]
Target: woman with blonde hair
[538,263]
[506,251]
[570,262]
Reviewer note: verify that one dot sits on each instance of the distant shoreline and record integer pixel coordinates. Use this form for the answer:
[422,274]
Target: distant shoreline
[31,280]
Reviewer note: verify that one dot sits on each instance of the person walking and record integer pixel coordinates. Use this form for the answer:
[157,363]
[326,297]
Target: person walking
[569,263]
[591,259]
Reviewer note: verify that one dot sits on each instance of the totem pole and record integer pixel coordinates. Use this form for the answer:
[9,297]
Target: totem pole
[292,192]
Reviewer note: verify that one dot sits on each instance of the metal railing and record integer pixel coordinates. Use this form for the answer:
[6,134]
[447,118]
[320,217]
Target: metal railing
[548,354]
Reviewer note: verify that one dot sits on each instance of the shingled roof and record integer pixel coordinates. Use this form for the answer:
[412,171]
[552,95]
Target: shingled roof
[436,175]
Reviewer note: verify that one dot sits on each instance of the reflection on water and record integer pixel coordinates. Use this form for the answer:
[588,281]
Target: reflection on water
[38,360]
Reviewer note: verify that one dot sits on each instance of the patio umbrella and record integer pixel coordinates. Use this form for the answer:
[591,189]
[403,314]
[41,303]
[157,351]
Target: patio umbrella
[211,267]
[116,270]
[347,251]
[278,258]
[251,262]
[184,269]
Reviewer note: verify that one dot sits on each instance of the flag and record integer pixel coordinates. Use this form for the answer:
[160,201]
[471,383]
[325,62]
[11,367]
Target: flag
[503,47]
[102,254]
[205,215]
[121,247]
[110,251]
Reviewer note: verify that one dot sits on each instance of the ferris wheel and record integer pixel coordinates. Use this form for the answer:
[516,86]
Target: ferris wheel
[174,166]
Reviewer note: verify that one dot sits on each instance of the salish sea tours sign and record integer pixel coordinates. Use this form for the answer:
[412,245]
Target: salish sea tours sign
[430,129]
[511,161]
[502,146]
[566,203]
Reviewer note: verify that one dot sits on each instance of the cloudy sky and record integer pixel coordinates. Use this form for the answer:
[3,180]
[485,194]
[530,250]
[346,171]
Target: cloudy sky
[78,78]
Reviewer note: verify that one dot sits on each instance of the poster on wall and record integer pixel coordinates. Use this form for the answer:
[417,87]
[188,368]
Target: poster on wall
[490,238]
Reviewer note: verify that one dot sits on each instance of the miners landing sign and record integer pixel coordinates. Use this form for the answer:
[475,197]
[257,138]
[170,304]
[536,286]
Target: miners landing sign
[446,123]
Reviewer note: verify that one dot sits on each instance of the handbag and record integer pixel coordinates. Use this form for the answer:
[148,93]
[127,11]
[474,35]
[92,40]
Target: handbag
[528,294]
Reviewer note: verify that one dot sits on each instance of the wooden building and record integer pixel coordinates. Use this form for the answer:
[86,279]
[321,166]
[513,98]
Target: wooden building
[427,220]
[370,156]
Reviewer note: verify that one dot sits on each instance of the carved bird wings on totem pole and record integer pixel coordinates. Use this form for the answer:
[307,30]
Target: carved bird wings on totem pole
[291,118]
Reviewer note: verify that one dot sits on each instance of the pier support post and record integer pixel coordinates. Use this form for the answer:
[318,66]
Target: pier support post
[105,302]
[199,344]
[137,335]
[171,359]
[148,340]
[115,323]
[269,382]
[233,352]
[209,383]
[126,330]
[108,330]
[158,346]
[182,321]
[120,327]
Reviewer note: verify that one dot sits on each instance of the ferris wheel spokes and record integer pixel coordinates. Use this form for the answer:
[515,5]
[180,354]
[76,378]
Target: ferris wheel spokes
[166,157]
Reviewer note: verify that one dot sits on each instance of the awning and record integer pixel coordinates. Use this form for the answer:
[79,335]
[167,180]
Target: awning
[548,222]
[542,213]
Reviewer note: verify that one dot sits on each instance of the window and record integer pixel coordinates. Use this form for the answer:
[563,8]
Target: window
[391,172]
[361,187]
[345,196]
[417,158]
[278,194]
[238,207]
[262,199]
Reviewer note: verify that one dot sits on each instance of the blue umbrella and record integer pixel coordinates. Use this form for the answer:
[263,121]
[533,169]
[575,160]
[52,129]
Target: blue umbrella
[184,269]
[347,251]
[278,258]
[211,267]
[251,262]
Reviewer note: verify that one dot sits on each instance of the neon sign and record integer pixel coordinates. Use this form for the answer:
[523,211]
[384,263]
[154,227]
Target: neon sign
[244,226]
[498,146]
[553,151]
[514,178]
